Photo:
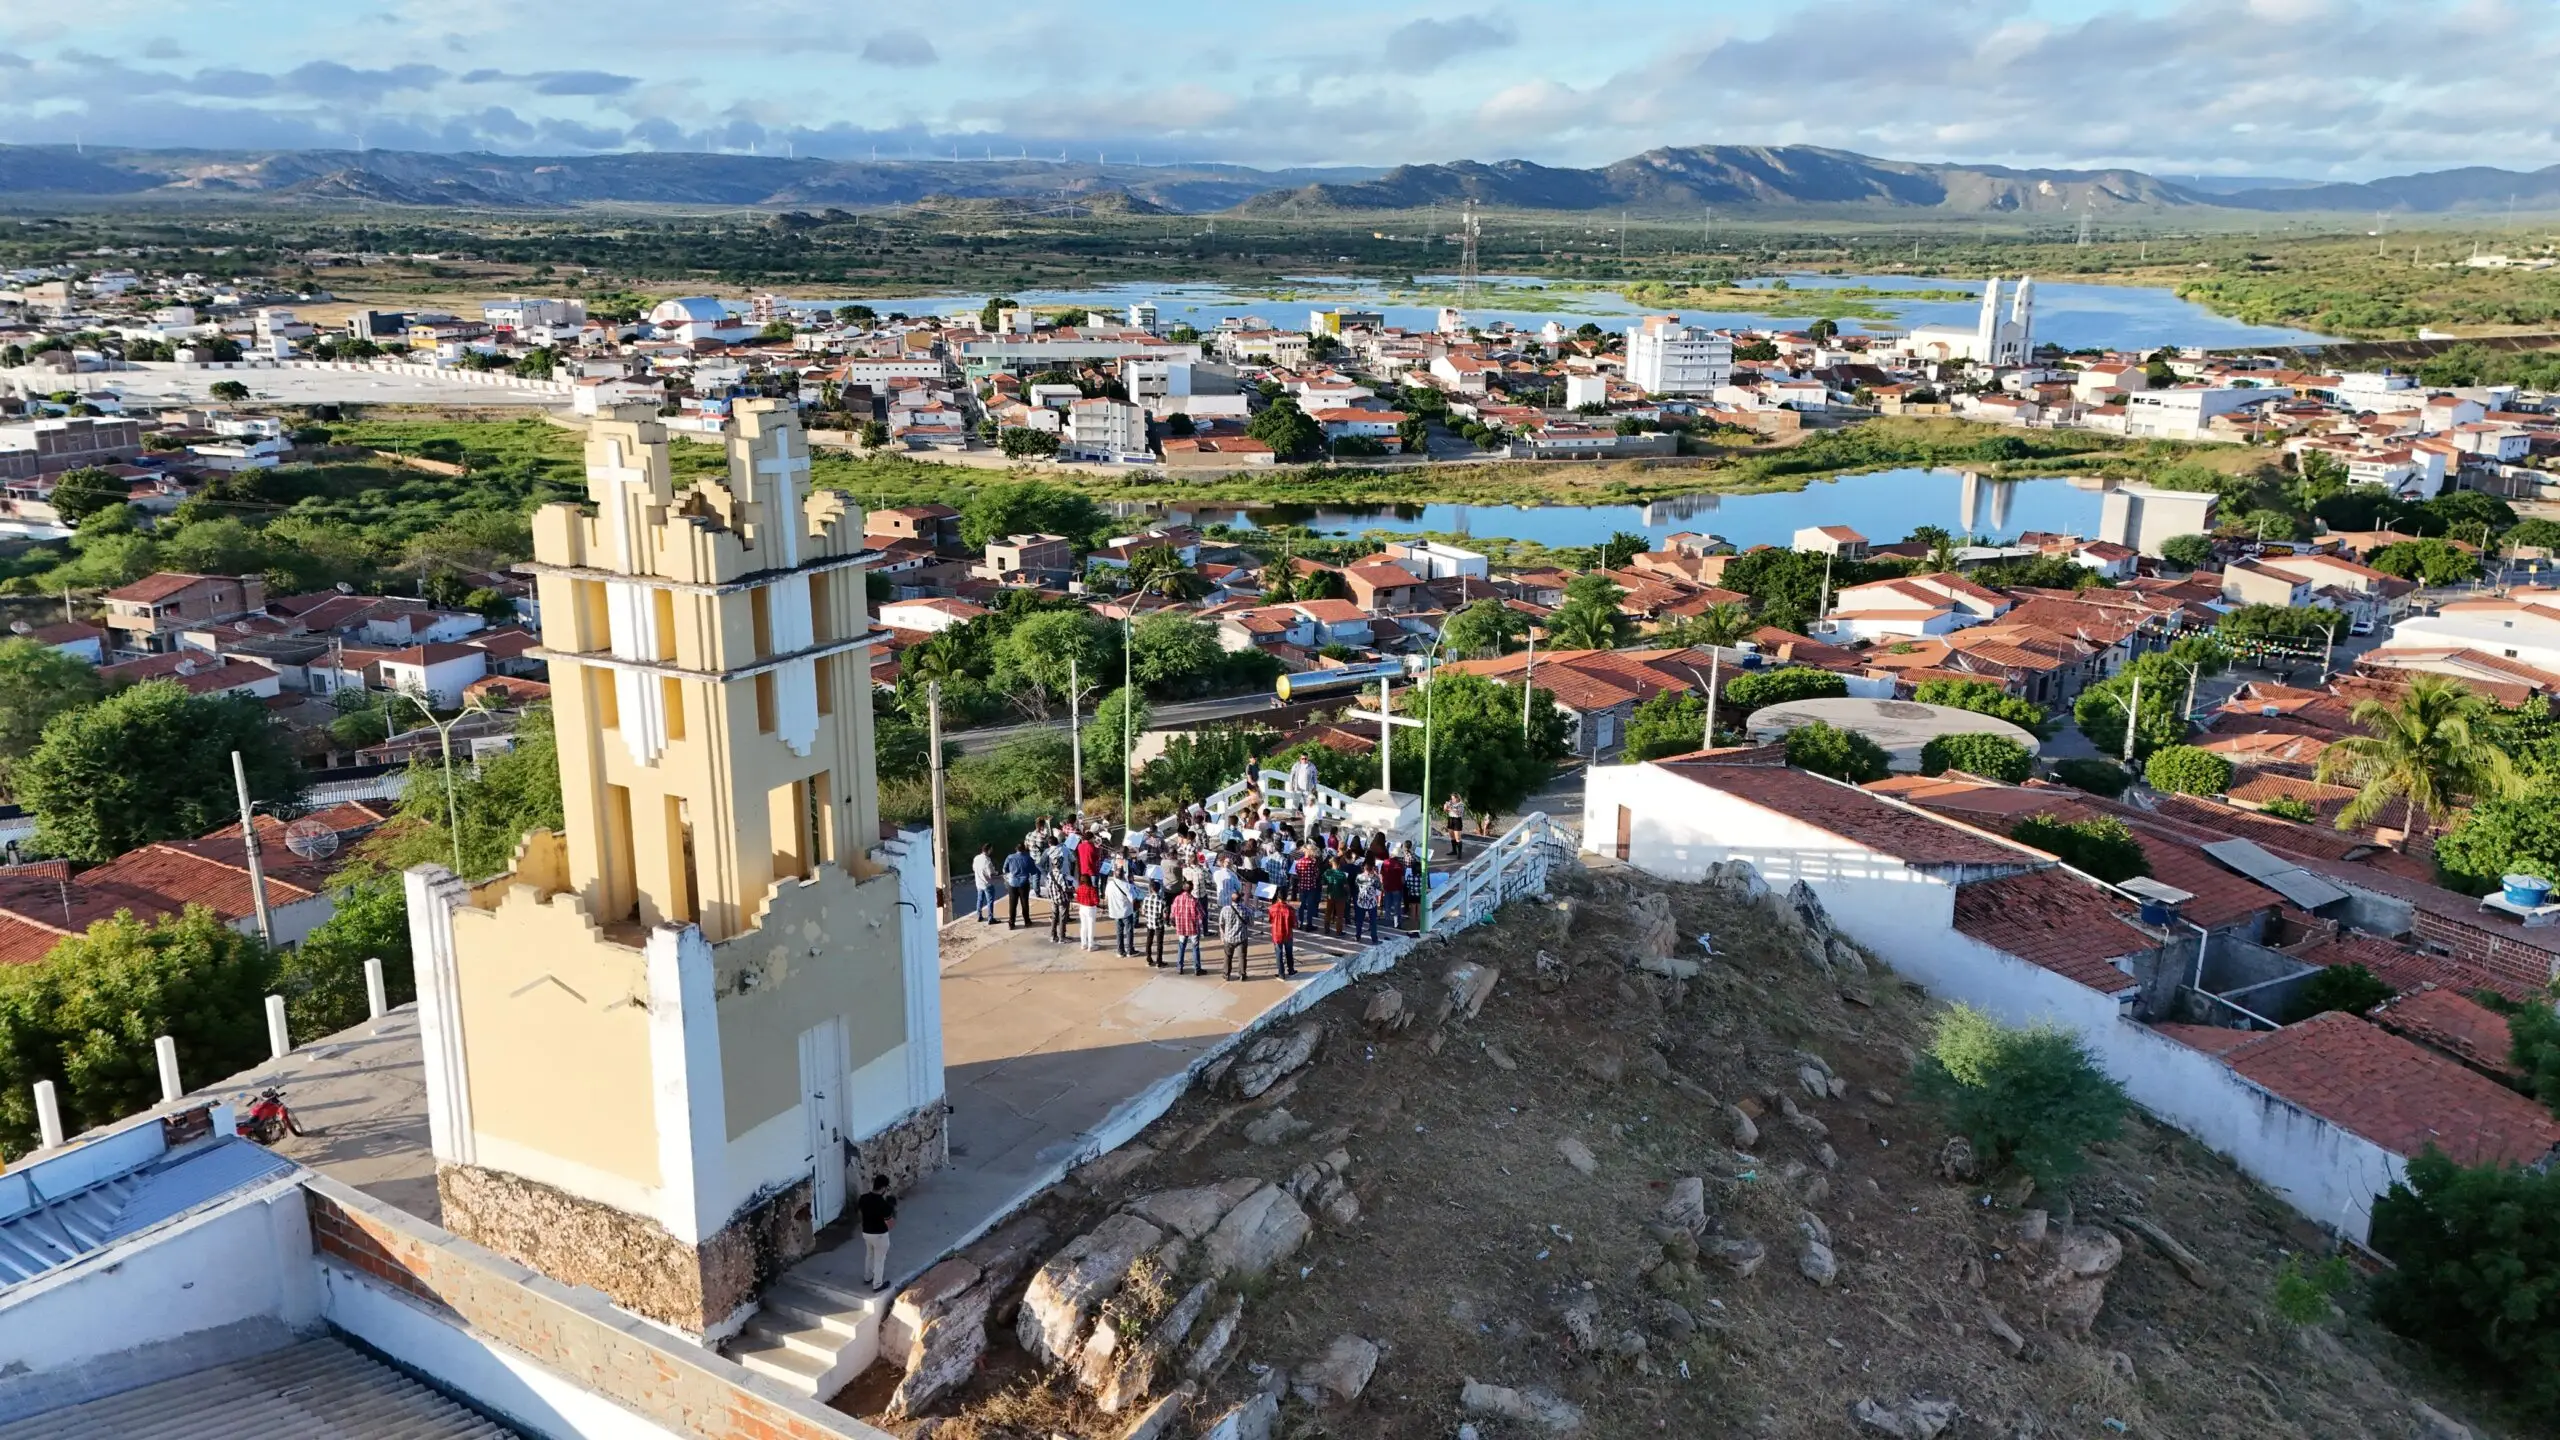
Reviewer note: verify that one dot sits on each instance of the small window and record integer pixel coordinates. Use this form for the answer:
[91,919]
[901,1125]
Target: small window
[765,704]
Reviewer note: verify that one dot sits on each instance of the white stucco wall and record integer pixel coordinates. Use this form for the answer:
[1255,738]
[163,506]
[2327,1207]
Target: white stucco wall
[1679,828]
[245,1261]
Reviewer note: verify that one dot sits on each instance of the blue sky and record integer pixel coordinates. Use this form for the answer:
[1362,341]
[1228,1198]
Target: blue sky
[2317,88]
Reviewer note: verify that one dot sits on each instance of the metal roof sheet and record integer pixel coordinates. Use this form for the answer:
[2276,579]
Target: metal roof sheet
[2280,875]
[66,1227]
[318,1390]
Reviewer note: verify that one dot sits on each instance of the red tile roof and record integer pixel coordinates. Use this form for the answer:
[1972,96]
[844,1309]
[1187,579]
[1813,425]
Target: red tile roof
[153,588]
[2453,1023]
[2407,969]
[1854,815]
[2401,1096]
[2211,1039]
[2055,920]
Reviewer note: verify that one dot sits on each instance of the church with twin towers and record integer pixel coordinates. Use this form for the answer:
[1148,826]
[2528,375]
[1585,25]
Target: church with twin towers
[2003,337]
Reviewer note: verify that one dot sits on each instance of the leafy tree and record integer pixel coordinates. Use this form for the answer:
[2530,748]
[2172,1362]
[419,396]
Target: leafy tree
[1485,628]
[2187,770]
[1589,618]
[2032,1097]
[1168,649]
[1841,754]
[2430,562]
[86,1015]
[1030,508]
[993,310]
[2465,514]
[1982,697]
[1621,547]
[2100,709]
[2436,743]
[150,763]
[2280,624]
[2188,552]
[322,979]
[81,493]
[37,683]
[1121,713]
[505,797]
[2476,1277]
[2351,988]
[1673,722]
[2098,777]
[1287,430]
[2102,845]
[229,391]
[1158,570]
[2536,533]
[1021,442]
[1030,772]
[874,434]
[1722,625]
[2509,835]
[1198,765]
[901,749]
[1033,659]
[1476,745]
[1755,689]
[1993,757]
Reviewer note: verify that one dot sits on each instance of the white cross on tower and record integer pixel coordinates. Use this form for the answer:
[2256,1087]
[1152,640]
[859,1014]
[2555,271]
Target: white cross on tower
[782,504]
[1387,721]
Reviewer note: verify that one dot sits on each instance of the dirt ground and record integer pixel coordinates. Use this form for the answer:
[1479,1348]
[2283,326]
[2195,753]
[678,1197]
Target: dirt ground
[1476,1237]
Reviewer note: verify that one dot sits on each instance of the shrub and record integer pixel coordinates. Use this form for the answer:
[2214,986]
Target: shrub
[1840,754]
[2477,1252]
[2302,1292]
[1993,757]
[2033,1097]
[2100,846]
[2188,552]
[1984,698]
[2187,770]
[2351,988]
[2286,807]
[2499,837]
[1751,691]
[2098,777]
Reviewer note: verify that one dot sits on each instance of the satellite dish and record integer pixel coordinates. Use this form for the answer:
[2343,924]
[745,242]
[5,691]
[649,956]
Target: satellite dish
[344,588]
[21,627]
[311,839]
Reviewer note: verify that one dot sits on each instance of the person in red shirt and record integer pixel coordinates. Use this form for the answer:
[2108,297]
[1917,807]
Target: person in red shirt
[1284,935]
[1086,856]
[1088,903]
[1391,883]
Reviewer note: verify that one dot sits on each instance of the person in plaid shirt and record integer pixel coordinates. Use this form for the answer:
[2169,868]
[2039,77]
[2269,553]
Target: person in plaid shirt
[1186,932]
[1235,928]
[1151,918]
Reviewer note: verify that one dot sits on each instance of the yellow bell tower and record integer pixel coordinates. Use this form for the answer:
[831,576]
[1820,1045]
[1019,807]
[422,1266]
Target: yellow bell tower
[655,1045]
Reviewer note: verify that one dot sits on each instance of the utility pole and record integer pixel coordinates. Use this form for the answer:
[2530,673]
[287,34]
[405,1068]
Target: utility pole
[942,896]
[249,847]
[2132,709]
[1826,586]
[2192,671]
[1075,732]
[1715,660]
[1528,687]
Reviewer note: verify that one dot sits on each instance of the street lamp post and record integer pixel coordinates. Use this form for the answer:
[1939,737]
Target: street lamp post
[444,737]
[1423,855]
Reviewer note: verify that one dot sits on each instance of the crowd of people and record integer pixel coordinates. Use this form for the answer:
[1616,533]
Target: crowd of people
[1200,879]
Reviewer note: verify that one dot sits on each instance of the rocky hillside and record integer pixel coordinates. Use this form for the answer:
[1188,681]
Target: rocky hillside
[1570,1174]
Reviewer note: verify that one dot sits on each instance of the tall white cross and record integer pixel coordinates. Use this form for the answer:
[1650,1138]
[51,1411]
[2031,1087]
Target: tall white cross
[782,505]
[1387,721]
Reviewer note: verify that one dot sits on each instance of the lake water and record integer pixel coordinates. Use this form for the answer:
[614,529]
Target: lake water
[2072,316]
[1884,506]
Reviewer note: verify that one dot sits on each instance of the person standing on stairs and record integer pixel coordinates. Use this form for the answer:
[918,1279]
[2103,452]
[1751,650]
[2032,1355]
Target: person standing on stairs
[879,1215]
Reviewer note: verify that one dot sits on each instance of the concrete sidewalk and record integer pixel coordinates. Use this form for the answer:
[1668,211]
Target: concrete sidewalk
[1042,1044]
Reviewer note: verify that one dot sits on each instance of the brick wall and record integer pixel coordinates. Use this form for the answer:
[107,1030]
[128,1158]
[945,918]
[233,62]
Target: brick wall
[2528,965]
[573,1332]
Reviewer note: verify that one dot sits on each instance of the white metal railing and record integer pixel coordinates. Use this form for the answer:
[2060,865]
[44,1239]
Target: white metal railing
[1270,789]
[1514,865]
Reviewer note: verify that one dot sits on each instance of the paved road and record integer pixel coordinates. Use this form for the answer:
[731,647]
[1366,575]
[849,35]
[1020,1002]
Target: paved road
[987,737]
[142,388]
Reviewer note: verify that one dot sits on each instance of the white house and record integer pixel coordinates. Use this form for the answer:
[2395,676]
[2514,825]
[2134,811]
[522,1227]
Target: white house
[595,394]
[1438,560]
[1989,922]
[2514,628]
[2185,413]
[1106,430]
[2411,472]
[696,317]
[931,614]
[436,673]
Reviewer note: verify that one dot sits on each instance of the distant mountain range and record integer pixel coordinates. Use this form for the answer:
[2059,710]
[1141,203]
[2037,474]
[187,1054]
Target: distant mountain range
[1670,180]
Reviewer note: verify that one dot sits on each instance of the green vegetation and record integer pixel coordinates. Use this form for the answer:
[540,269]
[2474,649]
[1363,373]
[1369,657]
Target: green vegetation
[37,683]
[1673,722]
[2302,1294]
[1840,754]
[2476,1252]
[149,763]
[2102,846]
[1483,629]
[2351,988]
[2187,770]
[1589,618]
[1992,757]
[2286,807]
[2435,744]
[2507,835]
[1985,698]
[2033,1098]
[2098,777]
[498,800]
[1756,689]
[2188,552]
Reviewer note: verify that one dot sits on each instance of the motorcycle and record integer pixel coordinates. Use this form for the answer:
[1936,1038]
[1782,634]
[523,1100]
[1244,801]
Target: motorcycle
[269,1119]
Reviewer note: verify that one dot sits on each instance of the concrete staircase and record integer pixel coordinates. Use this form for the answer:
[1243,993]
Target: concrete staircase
[812,1334]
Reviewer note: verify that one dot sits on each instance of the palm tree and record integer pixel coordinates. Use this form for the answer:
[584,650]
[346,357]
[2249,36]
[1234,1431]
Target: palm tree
[2434,745]
[1158,570]
[1725,623]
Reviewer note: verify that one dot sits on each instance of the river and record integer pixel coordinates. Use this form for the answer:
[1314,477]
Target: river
[2073,316]
[1883,505]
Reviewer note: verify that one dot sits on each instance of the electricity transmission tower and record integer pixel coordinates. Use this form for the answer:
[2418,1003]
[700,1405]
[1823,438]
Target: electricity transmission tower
[1467,256]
